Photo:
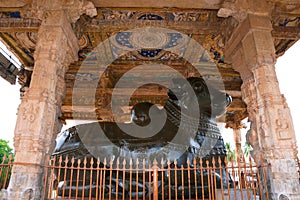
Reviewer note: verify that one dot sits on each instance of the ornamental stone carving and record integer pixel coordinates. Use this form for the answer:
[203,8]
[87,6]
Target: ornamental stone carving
[41,9]
[30,112]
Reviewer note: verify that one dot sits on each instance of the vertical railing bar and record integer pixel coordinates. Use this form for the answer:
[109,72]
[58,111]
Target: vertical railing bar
[162,179]
[227,176]
[84,175]
[169,178]
[10,162]
[46,167]
[248,180]
[137,179]
[117,177]
[91,177]
[155,180]
[5,173]
[208,178]
[189,176]
[104,178]
[130,179]
[258,177]
[264,168]
[144,179]
[71,176]
[240,178]
[202,179]
[124,169]
[260,184]
[8,169]
[221,175]
[110,178]
[58,176]
[252,181]
[175,174]
[65,176]
[212,181]
[182,182]
[150,181]
[195,177]
[52,176]
[3,167]
[215,177]
[101,178]
[234,177]
[245,178]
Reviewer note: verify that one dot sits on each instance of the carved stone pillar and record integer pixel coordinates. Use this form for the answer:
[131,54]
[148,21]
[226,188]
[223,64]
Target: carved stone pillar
[37,122]
[238,143]
[236,125]
[38,113]
[251,51]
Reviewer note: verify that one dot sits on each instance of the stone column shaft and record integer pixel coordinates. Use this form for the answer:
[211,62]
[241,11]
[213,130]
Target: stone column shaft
[36,126]
[251,51]
[238,143]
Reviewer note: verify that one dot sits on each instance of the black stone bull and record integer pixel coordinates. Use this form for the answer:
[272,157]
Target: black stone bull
[184,129]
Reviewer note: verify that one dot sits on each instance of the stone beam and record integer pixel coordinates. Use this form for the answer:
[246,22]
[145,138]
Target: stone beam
[289,8]
[87,106]
[19,25]
[153,90]
[26,60]
[97,25]
[13,4]
[234,42]
[32,25]
[205,4]
[95,112]
[289,33]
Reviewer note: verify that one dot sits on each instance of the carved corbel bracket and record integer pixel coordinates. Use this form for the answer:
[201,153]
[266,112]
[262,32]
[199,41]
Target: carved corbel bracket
[234,8]
[73,8]
[250,23]
[239,9]
[233,121]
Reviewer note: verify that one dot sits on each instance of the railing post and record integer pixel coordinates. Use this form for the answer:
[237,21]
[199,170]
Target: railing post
[155,180]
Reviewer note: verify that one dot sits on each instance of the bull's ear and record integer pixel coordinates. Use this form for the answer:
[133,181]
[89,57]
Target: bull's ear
[228,100]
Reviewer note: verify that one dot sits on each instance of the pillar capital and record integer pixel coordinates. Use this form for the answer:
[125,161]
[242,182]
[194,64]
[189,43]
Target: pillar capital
[73,8]
[234,120]
[241,8]
[56,17]
[235,124]
[53,28]
[251,44]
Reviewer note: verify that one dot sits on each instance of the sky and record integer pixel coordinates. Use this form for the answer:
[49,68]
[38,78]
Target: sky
[288,73]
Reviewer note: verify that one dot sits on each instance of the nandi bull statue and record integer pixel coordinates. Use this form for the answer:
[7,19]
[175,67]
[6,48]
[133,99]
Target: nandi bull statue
[183,130]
